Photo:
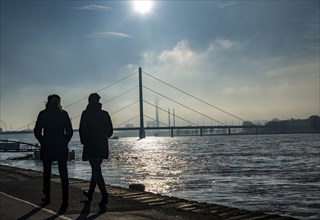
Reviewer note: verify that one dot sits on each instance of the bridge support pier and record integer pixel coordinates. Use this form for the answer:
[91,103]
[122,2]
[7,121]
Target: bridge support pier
[142,133]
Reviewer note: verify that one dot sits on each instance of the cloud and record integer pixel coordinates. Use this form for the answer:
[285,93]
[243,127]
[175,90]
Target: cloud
[313,35]
[182,58]
[110,34]
[191,70]
[242,91]
[228,91]
[93,7]
[246,86]
[173,63]
[184,55]
[181,53]
[225,43]
[226,4]
[293,70]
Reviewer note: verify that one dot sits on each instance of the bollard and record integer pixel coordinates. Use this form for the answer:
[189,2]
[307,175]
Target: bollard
[137,187]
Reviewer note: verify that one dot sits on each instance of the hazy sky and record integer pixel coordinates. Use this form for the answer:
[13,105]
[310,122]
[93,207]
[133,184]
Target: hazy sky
[258,60]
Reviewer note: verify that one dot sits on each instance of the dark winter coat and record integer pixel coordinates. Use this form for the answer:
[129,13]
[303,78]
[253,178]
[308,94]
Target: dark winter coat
[95,129]
[53,130]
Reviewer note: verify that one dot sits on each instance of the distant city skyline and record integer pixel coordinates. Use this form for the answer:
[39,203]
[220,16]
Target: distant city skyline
[258,60]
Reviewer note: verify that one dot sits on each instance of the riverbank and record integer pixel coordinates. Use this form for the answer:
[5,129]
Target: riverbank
[21,194]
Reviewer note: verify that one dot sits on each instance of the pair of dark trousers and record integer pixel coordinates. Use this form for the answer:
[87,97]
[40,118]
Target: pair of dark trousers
[63,172]
[96,177]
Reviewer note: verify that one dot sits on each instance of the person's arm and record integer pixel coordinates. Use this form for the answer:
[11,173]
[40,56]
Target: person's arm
[109,126]
[68,127]
[37,131]
[83,128]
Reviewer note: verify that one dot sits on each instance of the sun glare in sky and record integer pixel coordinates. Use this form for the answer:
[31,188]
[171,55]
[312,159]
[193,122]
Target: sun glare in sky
[143,6]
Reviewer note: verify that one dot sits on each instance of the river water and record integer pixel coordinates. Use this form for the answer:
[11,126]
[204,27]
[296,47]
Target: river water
[270,173]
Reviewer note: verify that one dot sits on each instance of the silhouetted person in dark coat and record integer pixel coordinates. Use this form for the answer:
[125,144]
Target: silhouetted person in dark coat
[95,129]
[53,130]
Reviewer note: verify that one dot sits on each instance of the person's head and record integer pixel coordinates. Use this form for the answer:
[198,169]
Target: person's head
[54,102]
[94,98]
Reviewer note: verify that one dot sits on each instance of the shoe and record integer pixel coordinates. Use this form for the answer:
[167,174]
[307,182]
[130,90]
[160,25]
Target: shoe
[45,201]
[88,195]
[63,207]
[102,209]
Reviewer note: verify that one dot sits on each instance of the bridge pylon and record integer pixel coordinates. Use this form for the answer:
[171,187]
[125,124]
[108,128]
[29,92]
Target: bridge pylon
[142,133]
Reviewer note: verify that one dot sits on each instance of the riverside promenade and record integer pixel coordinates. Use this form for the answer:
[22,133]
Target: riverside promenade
[20,194]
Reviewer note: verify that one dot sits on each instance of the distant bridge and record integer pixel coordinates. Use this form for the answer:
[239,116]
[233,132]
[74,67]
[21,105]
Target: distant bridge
[199,130]
[202,130]
[17,146]
[178,131]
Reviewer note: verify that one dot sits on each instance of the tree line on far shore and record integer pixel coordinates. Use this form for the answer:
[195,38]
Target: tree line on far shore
[309,125]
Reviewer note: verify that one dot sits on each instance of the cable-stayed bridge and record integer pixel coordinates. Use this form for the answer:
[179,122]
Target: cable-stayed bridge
[176,114]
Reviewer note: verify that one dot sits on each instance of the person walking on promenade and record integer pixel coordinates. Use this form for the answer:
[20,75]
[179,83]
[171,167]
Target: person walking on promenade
[53,130]
[94,130]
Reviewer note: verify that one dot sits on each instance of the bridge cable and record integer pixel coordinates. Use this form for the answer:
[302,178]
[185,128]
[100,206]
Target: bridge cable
[120,95]
[124,108]
[111,99]
[112,84]
[83,98]
[184,105]
[195,97]
[27,125]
